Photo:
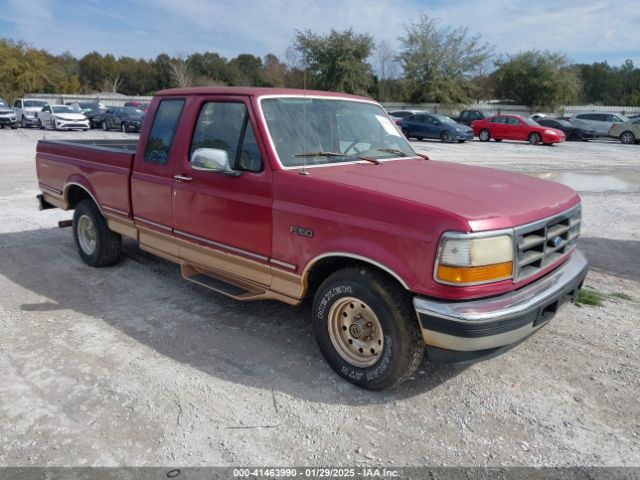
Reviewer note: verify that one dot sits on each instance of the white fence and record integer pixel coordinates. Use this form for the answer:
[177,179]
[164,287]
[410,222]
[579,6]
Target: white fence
[108,99]
[115,100]
[498,108]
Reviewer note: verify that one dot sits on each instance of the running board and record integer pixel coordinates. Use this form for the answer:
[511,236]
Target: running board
[222,283]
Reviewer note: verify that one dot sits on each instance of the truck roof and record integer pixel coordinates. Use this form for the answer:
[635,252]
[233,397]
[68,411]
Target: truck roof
[252,92]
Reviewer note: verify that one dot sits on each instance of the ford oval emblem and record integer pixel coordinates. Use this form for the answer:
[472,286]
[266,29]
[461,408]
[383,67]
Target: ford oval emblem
[556,241]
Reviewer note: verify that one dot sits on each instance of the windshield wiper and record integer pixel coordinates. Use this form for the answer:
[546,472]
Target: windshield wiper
[401,153]
[322,154]
[336,154]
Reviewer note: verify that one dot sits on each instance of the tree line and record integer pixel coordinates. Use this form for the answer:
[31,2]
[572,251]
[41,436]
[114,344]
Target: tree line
[432,64]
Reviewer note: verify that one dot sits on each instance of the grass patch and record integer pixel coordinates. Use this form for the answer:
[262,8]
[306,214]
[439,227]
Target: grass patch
[623,296]
[590,297]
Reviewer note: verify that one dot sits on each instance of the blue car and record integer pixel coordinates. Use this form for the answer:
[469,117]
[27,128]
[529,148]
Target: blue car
[432,125]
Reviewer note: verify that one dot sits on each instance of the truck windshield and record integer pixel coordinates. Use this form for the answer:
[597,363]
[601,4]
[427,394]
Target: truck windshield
[303,130]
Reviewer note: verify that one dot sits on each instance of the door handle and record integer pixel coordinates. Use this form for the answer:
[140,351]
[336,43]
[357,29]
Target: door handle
[183,178]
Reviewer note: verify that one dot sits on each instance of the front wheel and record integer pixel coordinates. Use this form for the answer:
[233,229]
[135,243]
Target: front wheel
[123,128]
[98,246]
[23,122]
[367,329]
[484,135]
[40,125]
[104,126]
[445,137]
[627,138]
[534,138]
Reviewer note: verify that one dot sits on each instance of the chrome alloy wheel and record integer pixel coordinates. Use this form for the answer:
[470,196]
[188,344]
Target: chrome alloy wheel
[86,234]
[355,332]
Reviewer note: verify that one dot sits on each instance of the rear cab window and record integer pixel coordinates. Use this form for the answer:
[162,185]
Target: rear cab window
[163,131]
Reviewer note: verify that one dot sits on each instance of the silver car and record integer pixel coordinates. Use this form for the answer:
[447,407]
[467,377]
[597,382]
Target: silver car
[600,122]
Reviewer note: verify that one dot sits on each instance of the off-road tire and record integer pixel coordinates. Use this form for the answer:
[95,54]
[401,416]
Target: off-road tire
[402,346]
[107,242]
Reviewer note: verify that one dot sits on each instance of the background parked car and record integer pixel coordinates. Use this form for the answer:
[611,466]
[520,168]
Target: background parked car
[627,132]
[572,132]
[27,110]
[515,127]
[126,119]
[7,115]
[468,116]
[432,125]
[62,117]
[601,122]
[93,110]
[144,106]
[397,115]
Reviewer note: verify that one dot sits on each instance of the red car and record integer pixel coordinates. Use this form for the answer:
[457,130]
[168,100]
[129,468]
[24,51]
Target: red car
[515,127]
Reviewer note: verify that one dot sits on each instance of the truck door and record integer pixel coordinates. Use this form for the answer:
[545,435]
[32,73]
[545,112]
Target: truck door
[224,217]
[152,181]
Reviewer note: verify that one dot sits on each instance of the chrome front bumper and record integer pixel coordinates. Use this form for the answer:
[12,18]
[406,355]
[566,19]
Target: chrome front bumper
[504,320]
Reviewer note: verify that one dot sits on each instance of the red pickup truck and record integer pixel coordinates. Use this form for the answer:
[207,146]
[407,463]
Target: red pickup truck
[282,194]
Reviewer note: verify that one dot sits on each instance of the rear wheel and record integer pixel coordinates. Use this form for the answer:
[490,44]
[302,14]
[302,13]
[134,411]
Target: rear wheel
[104,126]
[445,137]
[484,135]
[97,245]
[534,138]
[627,138]
[367,329]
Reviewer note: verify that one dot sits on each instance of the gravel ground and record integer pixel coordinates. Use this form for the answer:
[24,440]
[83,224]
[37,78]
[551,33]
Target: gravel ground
[131,365]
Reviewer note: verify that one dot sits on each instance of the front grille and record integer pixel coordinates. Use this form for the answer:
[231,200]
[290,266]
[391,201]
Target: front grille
[543,243]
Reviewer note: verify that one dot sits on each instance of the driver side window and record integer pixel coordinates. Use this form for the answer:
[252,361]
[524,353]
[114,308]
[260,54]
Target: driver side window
[226,126]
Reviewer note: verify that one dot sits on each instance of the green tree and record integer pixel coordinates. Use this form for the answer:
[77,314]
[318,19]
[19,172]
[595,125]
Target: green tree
[439,61]
[536,79]
[337,61]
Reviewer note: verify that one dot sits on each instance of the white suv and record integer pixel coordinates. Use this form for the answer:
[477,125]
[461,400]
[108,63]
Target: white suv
[27,110]
[601,122]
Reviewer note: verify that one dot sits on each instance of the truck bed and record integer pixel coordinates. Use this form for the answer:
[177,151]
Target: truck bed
[101,167]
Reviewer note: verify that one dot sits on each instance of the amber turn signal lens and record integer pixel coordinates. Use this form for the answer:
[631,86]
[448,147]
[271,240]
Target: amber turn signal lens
[497,271]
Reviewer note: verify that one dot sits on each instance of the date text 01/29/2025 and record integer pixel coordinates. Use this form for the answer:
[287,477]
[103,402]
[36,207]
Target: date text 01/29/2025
[365,472]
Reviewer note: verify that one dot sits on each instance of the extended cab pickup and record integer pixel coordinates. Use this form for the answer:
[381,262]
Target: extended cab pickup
[283,194]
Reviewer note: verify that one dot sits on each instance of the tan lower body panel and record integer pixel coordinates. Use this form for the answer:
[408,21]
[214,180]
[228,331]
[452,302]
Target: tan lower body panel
[261,280]
[55,201]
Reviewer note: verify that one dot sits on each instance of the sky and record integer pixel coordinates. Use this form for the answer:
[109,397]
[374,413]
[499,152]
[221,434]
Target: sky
[586,31]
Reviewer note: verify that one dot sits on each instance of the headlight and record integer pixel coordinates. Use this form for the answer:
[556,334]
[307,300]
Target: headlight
[465,259]
[550,132]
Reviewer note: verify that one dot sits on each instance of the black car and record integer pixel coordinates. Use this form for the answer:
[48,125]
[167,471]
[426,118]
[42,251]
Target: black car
[127,119]
[573,133]
[93,110]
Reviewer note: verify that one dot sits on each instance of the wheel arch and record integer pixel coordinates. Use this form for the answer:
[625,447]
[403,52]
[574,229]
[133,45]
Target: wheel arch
[320,267]
[77,190]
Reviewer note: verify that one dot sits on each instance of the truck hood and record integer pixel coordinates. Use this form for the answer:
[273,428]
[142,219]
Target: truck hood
[484,197]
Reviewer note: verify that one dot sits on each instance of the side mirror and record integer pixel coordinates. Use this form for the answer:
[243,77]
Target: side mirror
[212,160]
